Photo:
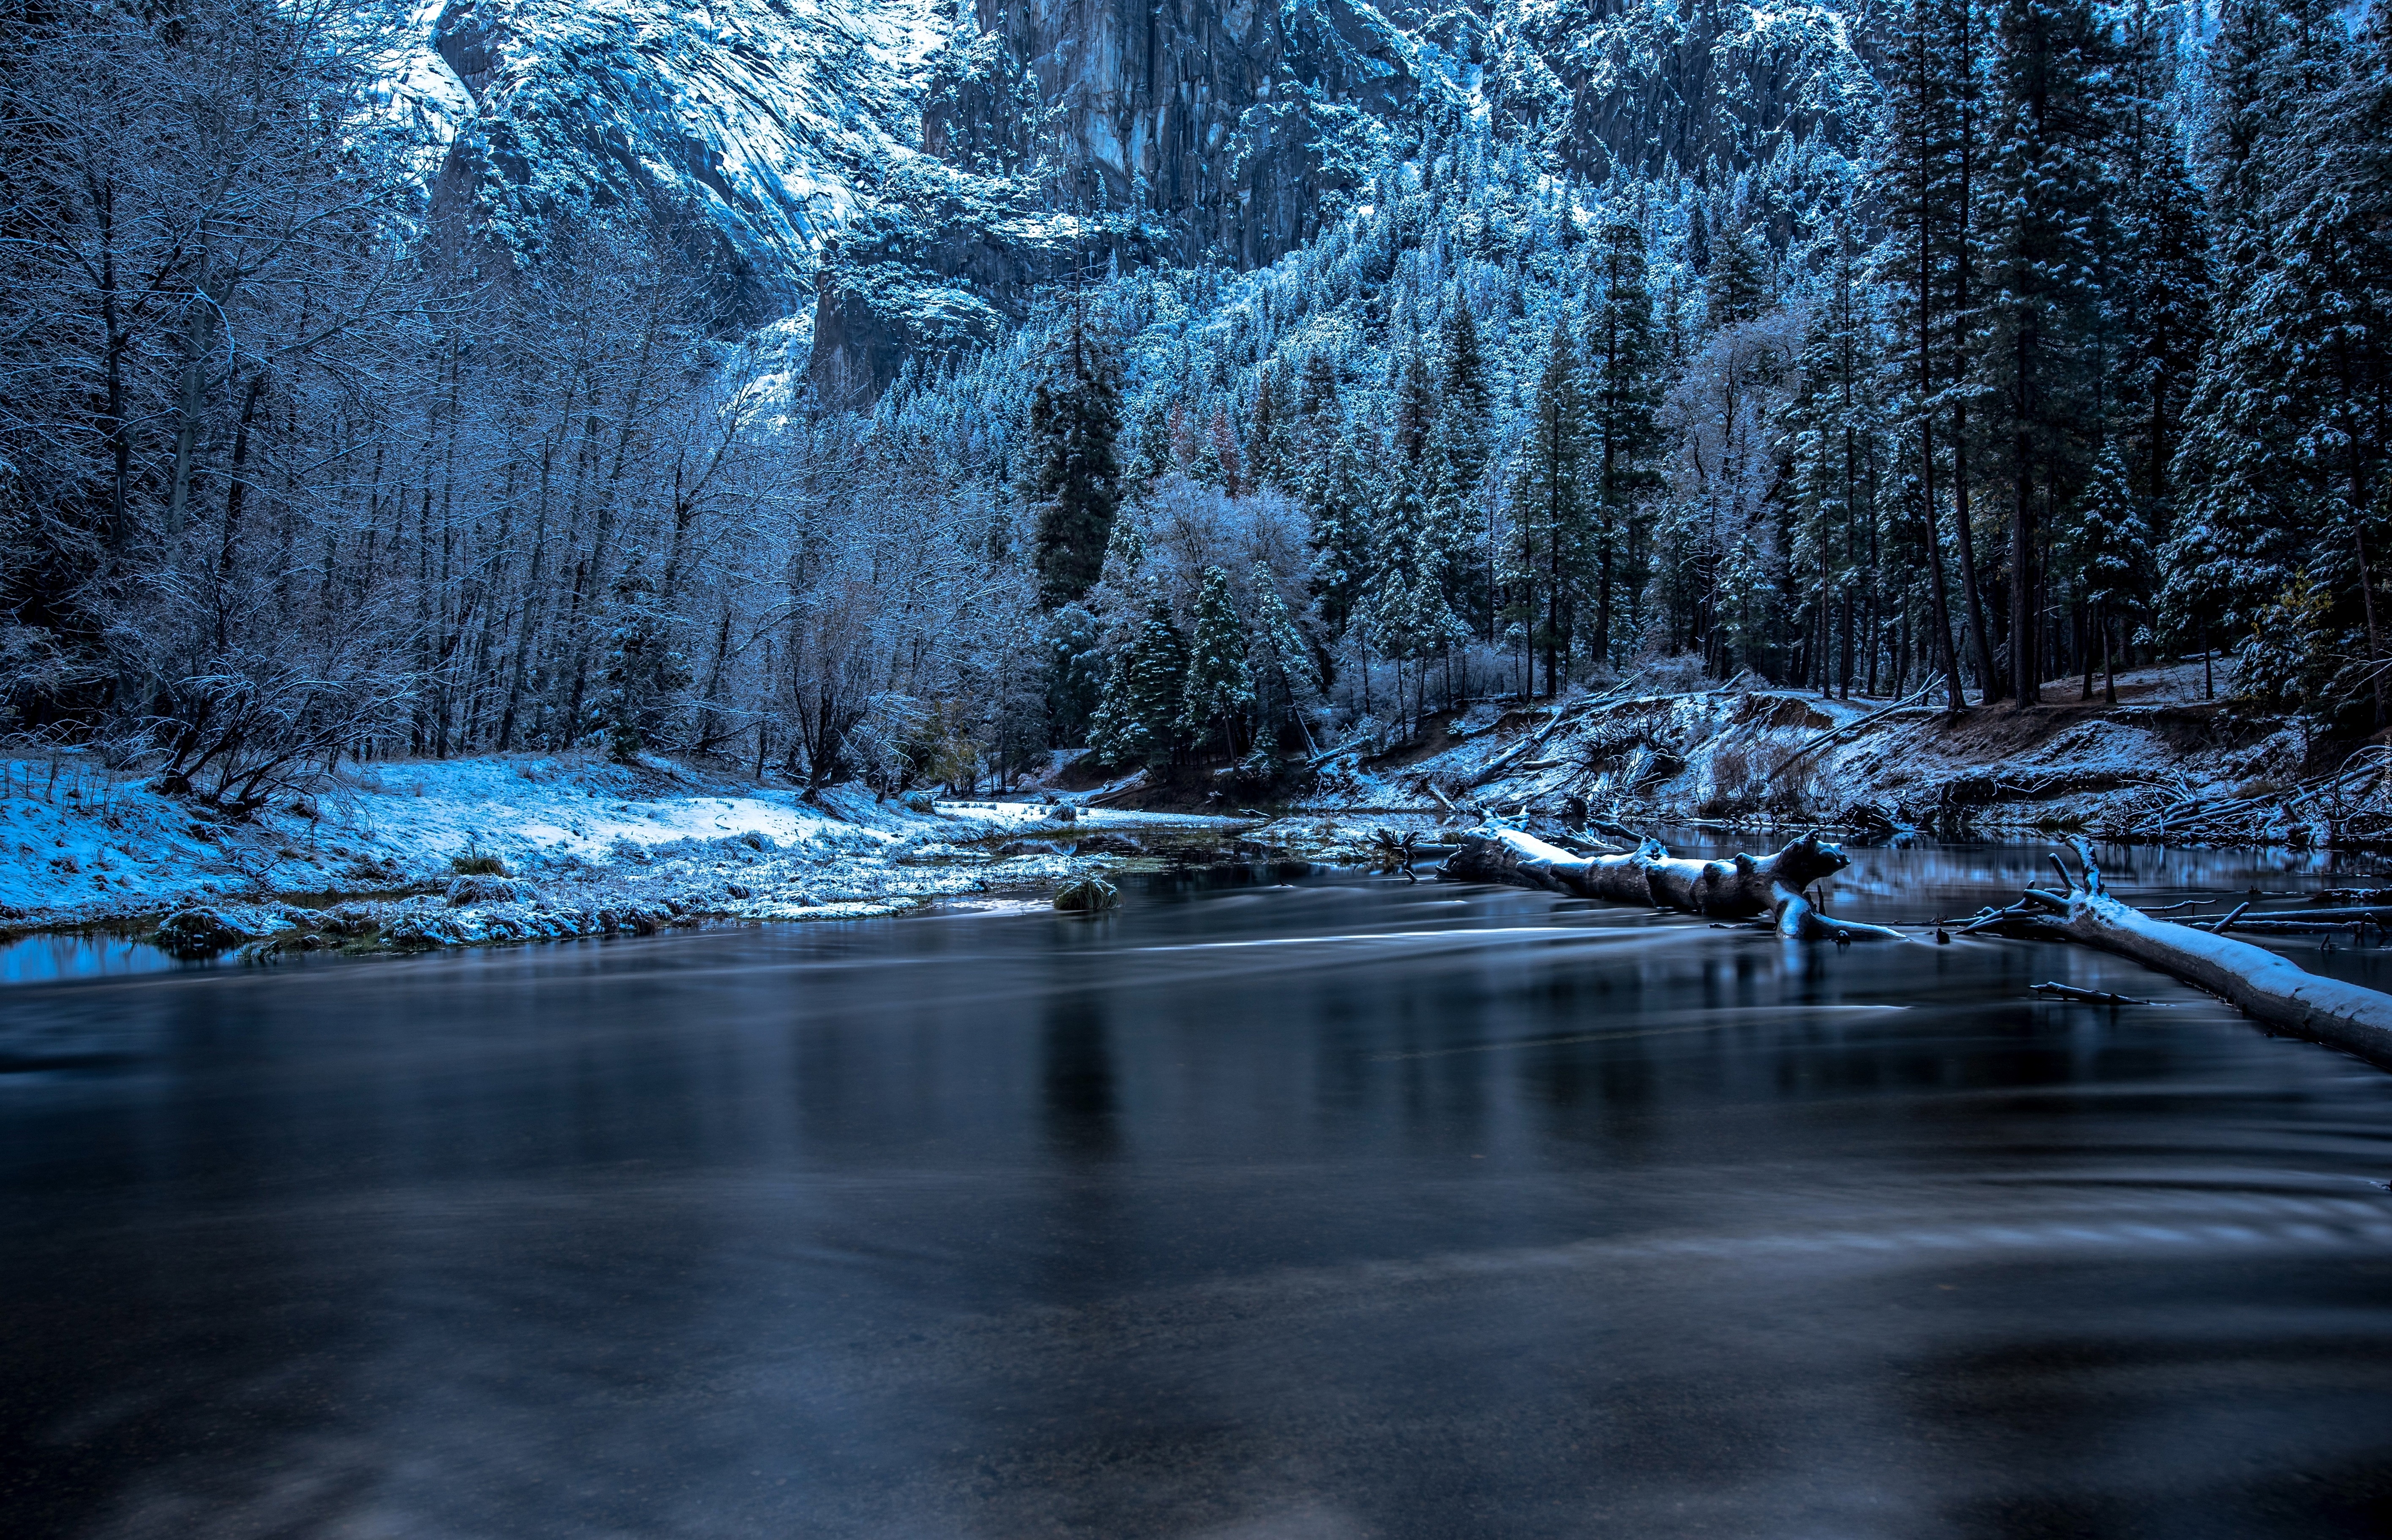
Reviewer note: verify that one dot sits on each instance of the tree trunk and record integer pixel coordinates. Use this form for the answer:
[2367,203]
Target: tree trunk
[1741,888]
[2254,979]
[2085,648]
[2026,671]
[2375,642]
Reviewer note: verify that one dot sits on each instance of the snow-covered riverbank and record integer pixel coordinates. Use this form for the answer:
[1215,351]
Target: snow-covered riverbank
[2164,765]
[506,849]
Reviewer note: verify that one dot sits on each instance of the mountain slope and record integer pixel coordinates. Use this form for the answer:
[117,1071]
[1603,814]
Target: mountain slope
[912,174]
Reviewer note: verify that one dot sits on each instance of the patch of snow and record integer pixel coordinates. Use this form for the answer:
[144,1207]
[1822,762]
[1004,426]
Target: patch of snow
[582,846]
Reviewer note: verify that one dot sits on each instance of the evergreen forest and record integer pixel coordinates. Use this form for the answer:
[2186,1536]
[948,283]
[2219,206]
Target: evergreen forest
[2059,342]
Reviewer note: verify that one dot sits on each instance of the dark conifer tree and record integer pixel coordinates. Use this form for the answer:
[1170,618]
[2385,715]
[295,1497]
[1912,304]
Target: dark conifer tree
[1913,178]
[2162,282]
[2046,195]
[1834,423]
[1624,438]
[1458,455]
[643,673]
[1548,510]
[1137,722]
[1074,419]
[2109,545]
[1338,503]
[1264,448]
[1220,693]
[2284,448]
[1736,288]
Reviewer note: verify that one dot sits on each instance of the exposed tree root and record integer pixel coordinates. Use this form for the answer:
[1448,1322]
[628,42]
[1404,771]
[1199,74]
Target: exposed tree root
[1740,888]
[2271,989]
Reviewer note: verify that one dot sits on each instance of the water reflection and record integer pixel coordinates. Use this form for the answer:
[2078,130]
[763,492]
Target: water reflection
[43,959]
[1338,1210]
[1077,1077]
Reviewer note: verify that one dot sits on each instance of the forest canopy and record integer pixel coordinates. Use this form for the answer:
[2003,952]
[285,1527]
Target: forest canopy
[2077,356]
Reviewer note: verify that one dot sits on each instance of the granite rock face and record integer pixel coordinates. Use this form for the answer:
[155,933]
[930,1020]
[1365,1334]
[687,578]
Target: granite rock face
[898,178]
[1085,131]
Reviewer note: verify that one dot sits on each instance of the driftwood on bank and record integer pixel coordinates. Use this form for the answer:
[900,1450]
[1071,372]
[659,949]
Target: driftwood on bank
[2274,990]
[1740,888]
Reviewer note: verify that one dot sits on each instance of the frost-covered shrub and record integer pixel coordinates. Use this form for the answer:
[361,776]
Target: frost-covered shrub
[349,920]
[1669,674]
[422,929]
[480,890]
[1086,895]
[201,931]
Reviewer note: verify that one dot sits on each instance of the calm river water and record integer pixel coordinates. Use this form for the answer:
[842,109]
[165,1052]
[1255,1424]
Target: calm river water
[1340,1209]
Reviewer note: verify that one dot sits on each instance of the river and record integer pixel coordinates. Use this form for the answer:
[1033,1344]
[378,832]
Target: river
[1340,1209]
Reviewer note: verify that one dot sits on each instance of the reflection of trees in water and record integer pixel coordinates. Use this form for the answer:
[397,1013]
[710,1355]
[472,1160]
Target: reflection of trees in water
[1076,1077]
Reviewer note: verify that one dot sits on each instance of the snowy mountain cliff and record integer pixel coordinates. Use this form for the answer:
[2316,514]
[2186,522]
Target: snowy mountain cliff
[909,175]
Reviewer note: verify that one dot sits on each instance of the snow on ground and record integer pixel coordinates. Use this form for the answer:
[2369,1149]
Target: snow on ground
[506,848]
[1745,755]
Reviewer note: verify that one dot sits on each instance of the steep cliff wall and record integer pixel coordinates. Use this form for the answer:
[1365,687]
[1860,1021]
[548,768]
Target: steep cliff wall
[740,126]
[1704,86]
[1187,130]
[910,174]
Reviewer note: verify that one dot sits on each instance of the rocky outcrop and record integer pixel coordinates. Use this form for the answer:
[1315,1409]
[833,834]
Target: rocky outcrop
[911,174]
[1088,131]
[738,130]
[1703,88]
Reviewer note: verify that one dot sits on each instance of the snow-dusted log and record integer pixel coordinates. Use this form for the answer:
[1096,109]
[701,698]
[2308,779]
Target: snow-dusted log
[1740,888]
[1500,855]
[1797,919]
[2272,989]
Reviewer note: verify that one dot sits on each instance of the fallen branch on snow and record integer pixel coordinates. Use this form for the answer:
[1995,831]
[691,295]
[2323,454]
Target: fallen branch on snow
[1823,738]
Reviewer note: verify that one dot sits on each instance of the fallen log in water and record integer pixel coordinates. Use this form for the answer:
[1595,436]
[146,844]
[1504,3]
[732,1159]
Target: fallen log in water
[2274,990]
[1740,888]
[2089,997]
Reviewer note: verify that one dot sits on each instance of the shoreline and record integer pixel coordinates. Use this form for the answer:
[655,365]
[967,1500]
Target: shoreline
[417,856]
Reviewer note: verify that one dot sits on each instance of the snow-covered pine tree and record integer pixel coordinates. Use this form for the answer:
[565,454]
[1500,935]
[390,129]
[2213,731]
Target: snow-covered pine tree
[643,674]
[2161,291]
[2046,198]
[1549,512]
[2109,545]
[1404,601]
[1911,177]
[1285,681]
[1150,456]
[1074,419]
[1220,690]
[1074,665]
[2284,442]
[2324,321]
[1736,289]
[1265,452]
[1337,503]
[1624,438]
[1459,449]
[1137,722]
[1414,400]
[1834,426]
